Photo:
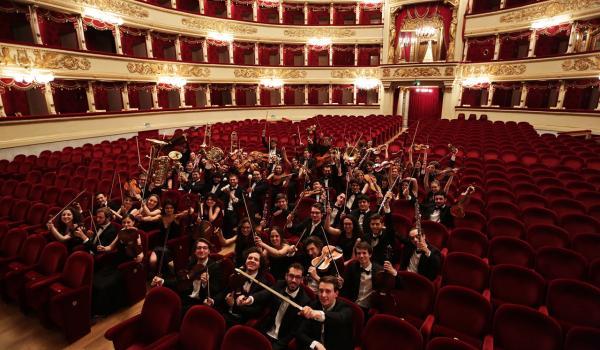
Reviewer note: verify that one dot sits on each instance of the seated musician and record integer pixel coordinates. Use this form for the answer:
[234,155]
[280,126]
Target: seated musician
[232,202]
[335,215]
[200,282]
[409,189]
[194,183]
[280,212]
[346,236]
[352,202]
[243,238]
[241,286]
[69,221]
[363,213]
[359,276]
[102,233]
[317,192]
[440,211]
[278,253]
[126,208]
[282,321]
[170,228]
[278,180]
[101,201]
[419,256]
[312,226]
[313,248]
[148,214]
[382,239]
[328,321]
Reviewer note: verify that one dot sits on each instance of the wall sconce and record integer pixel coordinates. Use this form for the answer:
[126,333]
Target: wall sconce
[475,81]
[29,76]
[103,16]
[224,37]
[178,82]
[364,83]
[272,83]
[320,41]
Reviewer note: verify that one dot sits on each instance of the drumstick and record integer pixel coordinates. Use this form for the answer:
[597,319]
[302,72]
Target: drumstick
[273,291]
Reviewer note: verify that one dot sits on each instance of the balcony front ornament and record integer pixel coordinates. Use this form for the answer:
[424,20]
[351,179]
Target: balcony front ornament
[411,72]
[354,73]
[582,64]
[125,8]
[168,69]
[267,73]
[319,32]
[493,69]
[548,9]
[214,25]
[34,58]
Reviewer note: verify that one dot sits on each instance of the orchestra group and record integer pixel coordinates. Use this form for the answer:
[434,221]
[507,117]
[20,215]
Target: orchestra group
[314,230]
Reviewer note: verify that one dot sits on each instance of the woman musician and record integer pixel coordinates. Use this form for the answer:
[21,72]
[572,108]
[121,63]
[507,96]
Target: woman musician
[170,228]
[64,230]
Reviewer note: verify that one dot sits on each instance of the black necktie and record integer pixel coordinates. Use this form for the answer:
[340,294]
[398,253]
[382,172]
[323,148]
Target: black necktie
[365,271]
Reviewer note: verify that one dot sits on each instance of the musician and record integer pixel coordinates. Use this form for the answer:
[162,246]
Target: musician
[335,215]
[170,228]
[64,230]
[213,184]
[313,248]
[440,211]
[243,239]
[233,202]
[328,321]
[317,193]
[355,191]
[277,252]
[102,201]
[195,183]
[363,213]
[419,256]
[148,214]
[270,145]
[277,180]
[108,290]
[256,192]
[409,189]
[280,212]
[282,321]
[347,236]
[312,226]
[330,179]
[126,208]
[359,276]
[103,234]
[308,163]
[380,238]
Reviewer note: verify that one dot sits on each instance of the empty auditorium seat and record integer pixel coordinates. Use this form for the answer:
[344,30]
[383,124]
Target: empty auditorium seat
[383,330]
[10,245]
[465,270]
[468,241]
[582,338]
[472,220]
[577,224]
[588,245]
[542,235]
[505,226]
[573,303]
[414,301]
[436,233]
[244,338]
[443,343]
[555,263]
[516,285]
[28,255]
[510,250]
[505,209]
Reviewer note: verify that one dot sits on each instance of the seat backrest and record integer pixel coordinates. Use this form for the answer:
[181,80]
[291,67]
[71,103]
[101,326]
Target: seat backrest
[160,314]
[358,319]
[246,338]
[383,330]
[202,329]
[505,226]
[466,270]
[543,235]
[510,250]
[20,209]
[463,310]
[587,244]
[520,327]
[436,233]
[79,270]
[443,343]
[536,216]
[31,249]
[582,338]
[576,224]
[574,303]
[11,242]
[6,204]
[468,241]
[37,214]
[52,258]
[555,263]
[417,296]
[516,285]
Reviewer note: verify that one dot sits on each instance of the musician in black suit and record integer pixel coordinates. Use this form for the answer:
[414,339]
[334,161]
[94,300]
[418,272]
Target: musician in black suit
[331,179]
[233,203]
[419,256]
[440,211]
[195,184]
[352,200]
[257,190]
[312,226]
[102,234]
[282,320]
[381,238]
[363,213]
[328,321]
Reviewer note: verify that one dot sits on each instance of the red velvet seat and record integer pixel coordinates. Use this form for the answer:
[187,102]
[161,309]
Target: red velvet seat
[465,270]
[588,198]
[509,250]
[574,303]
[22,190]
[531,200]
[202,328]
[10,245]
[582,338]
[8,187]
[577,224]
[436,233]
[472,220]
[517,327]
[588,245]
[443,343]
[499,195]
[459,312]
[383,330]
[505,209]
[28,255]
[468,241]
[505,226]
[244,338]
[6,204]
[516,285]
[542,235]
[413,302]
[555,263]
[134,274]
[537,216]
[159,317]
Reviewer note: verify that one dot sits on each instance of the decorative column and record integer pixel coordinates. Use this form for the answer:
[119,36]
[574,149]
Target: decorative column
[502,4]
[496,48]
[117,35]
[232,94]
[125,97]
[89,93]
[305,13]
[356,54]
[155,97]
[2,111]
[330,13]
[174,4]
[178,48]
[49,99]
[305,55]
[406,105]
[597,106]
[330,55]
[490,98]
[80,34]
[572,37]
[149,51]
[460,95]
[204,51]
[532,42]
[562,90]
[228,4]
[256,60]
[381,54]
[201,3]
[280,9]
[255,11]
[182,98]
[357,13]
[281,54]
[330,93]
[207,92]
[354,94]
[524,92]
[230,49]
[258,95]
[281,95]
[35,25]
[466,50]
[305,94]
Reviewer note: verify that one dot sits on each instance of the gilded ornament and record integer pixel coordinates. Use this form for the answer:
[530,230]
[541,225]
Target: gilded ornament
[493,69]
[417,72]
[548,9]
[581,64]
[354,73]
[449,71]
[319,32]
[168,69]
[217,26]
[35,58]
[258,73]
[117,6]
[386,72]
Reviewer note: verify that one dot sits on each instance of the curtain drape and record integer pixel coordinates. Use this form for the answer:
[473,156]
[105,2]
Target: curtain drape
[318,14]
[265,52]
[509,44]
[424,105]
[343,13]
[289,94]
[364,55]
[516,3]
[133,92]
[240,50]
[293,13]
[549,39]
[291,51]
[53,25]
[343,55]
[267,12]
[370,13]
[480,6]
[241,9]
[481,49]
[215,8]
[313,55]
[161,42]
[188,5]
[337,95]
[503,93]
[216,49]
[241,92]
[69,96]
[265,95]
[190,93]
[131,37]
[188,46]
[470,96]
[578,93]
[12,16]
[314,91]
[217,94]
[538,94]
[100,90]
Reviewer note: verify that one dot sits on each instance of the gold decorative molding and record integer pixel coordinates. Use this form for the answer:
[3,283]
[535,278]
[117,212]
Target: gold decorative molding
[581,64]
[547,9]
[319,32]
[449,71]
[218,26]
[493,69]
[258,73]
[34,58]
[355,73]
[170,69]
[416,72]
[118,6]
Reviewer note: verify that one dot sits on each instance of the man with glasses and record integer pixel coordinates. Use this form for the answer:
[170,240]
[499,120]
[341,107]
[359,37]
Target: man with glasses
[282,320]
[312,226]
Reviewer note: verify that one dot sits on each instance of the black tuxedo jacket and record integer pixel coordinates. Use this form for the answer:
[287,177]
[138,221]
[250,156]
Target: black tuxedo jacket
[291,320]
[302,229]
[106,238]
[338,331]
[366,226]
[429,266]
[380,244]
[446,217]
[352,279]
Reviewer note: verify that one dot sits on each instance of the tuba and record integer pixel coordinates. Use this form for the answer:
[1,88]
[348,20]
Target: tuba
[160,169]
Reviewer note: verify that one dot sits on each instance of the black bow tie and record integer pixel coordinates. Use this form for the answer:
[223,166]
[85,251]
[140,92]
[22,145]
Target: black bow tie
[365,271]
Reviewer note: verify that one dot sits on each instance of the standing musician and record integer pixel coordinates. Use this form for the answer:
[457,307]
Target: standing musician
[233,203]
[352,202]
[194,184]
[380,238]
[363,213]
[280,213]
[440,211]
[419,256]
[282,321]
[256,193]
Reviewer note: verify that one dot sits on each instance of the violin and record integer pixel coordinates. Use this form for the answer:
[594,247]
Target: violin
[132,187]
[458,209]
[129,238]
[329,254]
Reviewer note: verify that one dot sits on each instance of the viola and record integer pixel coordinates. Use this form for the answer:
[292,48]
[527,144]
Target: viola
[458,209]
[129,238]
[329,254]
[132,187]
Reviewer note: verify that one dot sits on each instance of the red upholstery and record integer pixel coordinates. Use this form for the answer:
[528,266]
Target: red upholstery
[443,343]
[468,241]
[202,329]
[461,313]
[577,224]
[505,209]
[574,303]
[516,285]
[358,320]
[472,220]
[10,246]
[383,330]
[509,250]
[587,245]
[543,235]
[244,338]
[28,255]
[415,300]
[555,263]
[564,206]
[159,317]
[582,338]
[518,327]
[134,274]
[437,234]
[465,270]
[505,226]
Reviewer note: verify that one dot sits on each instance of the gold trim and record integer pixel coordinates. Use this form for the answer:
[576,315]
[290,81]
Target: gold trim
[354,73]
[218,26]
[170,69]
[34,58]
[449,71]
[416,72]
[319,32]
[493,69]
[581,64]
[547,9]
[257,73]
[117,6]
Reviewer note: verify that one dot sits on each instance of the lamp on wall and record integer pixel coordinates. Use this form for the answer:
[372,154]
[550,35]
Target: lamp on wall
[371,2]
[175,81]
[365,83]
[28,76]
[319,41]
[475,81]
[223,37]
[103,16]
[272,83]
[550,22]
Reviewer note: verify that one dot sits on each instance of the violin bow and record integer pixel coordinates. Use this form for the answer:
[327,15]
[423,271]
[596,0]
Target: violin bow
[248,214]
[329,251]
[112,186]
[93,224]
[273,291]
[66,206]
